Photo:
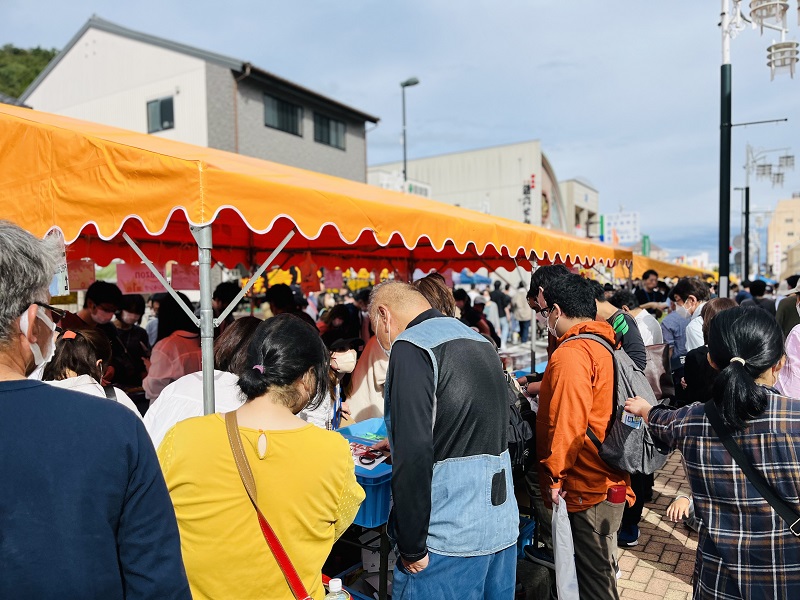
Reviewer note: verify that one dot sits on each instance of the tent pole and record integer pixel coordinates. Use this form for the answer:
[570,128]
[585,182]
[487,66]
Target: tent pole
[149,264]
[252,280]
[203,236]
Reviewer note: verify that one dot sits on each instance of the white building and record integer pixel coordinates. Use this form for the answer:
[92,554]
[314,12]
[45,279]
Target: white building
[514,181]
[581,204]
[116,76]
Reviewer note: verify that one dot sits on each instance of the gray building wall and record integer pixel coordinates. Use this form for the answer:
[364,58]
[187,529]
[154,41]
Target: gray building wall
[219,91]
[256,139]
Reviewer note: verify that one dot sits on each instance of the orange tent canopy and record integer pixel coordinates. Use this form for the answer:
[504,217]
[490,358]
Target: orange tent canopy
[664,269]
[93,182]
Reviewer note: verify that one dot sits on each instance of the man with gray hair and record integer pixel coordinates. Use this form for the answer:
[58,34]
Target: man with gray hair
[455,519]
[84,510]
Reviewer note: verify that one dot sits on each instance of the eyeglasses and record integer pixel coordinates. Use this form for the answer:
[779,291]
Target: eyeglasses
[544,311]
[57,312]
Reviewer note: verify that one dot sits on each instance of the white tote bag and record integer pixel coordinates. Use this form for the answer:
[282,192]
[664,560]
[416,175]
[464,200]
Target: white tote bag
[564,552]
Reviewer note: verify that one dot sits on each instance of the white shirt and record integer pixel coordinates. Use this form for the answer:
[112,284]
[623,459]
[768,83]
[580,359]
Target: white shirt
[365,395]
[694,330]
[183,399]
[87,385]
[172,358]
[649,328]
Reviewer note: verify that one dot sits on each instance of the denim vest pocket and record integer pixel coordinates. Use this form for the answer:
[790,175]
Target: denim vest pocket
[473,512]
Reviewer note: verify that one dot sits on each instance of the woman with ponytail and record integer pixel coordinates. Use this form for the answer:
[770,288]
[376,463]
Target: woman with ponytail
[745,549]
[304,476]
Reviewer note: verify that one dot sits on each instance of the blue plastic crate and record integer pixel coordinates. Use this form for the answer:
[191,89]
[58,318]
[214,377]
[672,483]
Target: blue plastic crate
[377,482]
[527,528]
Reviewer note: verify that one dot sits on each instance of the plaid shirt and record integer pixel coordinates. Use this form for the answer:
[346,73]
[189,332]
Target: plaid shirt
[745,549]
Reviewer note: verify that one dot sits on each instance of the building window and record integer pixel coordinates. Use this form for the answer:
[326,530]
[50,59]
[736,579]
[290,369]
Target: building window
[283,115]
[329,131]
[160,115]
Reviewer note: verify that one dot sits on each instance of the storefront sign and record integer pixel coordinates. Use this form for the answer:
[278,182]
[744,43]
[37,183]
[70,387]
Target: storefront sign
[137,279]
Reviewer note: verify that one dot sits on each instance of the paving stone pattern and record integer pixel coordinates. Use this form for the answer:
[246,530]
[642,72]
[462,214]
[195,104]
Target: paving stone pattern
[661,566]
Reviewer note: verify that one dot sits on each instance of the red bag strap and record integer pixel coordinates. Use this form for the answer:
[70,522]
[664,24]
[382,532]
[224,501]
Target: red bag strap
[243,466]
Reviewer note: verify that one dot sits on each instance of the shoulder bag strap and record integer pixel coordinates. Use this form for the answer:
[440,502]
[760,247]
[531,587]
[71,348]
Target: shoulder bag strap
[591,336]
[110,393]
[786,512]
[243,466]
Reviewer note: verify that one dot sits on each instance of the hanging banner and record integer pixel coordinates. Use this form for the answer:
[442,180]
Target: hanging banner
[137,279]
[81,274]
[185,277]
[333,279]
[309,279]
[59,285]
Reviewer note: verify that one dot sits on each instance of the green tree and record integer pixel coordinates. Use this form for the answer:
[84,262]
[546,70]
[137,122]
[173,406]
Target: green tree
[20,66]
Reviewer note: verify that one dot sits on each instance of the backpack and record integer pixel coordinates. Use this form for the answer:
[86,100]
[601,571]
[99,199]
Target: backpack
[627,448]
[520,434]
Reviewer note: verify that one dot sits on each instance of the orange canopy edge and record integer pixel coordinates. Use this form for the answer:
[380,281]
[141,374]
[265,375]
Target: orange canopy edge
[93,182]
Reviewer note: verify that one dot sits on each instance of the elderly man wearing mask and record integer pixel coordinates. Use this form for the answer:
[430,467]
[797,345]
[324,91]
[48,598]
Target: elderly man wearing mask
[691,295]
[89,516]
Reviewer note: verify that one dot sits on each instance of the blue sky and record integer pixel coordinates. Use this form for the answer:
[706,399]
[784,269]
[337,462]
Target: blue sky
[624,94]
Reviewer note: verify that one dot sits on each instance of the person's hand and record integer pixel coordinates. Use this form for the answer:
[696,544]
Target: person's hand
[637,406]
[416,567]
[383,445]
[683,382]
[679,509]
[345,408]
[522,381]
[533,389]
[556,494]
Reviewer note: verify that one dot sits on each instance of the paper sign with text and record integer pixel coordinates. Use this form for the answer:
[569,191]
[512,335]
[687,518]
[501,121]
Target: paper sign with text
[81,274]
[185,277]
[137,279]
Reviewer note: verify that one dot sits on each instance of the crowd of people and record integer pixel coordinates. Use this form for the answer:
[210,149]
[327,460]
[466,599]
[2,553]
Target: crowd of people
[117,485]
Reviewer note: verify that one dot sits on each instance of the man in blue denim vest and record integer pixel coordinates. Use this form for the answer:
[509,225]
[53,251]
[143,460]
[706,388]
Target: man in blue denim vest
[455,519]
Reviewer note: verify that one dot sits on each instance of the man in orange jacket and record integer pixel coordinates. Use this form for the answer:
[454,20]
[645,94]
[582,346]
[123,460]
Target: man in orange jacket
[577,393]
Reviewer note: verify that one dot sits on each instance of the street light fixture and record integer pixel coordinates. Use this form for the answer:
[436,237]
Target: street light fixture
[403,85]
[781,57]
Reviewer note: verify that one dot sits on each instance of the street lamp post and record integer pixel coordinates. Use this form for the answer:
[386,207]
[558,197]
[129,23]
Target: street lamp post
[781,57]
[407,83]
[756,161]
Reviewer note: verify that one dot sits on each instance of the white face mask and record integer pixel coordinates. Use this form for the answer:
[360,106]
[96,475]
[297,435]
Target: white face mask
[683,312]
[40,357]
[345,361]
[553,331]
[128,318]
[101,317]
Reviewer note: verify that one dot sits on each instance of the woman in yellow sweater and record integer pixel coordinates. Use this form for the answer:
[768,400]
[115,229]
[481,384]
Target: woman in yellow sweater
[305,479]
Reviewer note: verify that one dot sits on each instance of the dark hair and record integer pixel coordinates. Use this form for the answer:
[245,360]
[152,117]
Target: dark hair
[285,347]
[230,348]
[172,318]
[132,303]
[362,295]
[758,287]
[497,285]
[691,286]
[460,295]
[599,291]
[79,354]
[282,296]
[226,291]
[792,280]
[102,292]
[649,273]
[753,335]
[624,298]
[436,292]
[573,294]
[544,276]
[711,309]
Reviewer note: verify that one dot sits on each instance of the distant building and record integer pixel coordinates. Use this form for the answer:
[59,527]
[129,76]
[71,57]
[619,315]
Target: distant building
[581,205]
[515,181]
[621,228]
[120,77]
[783,232]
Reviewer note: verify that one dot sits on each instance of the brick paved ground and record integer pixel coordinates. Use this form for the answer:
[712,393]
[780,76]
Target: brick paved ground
[661,566]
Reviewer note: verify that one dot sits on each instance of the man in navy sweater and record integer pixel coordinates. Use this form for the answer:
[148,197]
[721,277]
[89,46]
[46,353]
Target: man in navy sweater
[84,511]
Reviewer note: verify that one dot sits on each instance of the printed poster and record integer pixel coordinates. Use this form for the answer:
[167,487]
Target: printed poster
[137,279]
[81,274]
[185,277]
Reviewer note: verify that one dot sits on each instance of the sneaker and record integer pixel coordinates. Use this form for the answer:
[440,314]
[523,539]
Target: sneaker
[628,536]
[540,556]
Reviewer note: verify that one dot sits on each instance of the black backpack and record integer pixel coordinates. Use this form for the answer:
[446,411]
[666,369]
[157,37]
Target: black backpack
[520,434]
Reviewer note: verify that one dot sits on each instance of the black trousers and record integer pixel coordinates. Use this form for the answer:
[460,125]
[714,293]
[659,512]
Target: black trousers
[642,486]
